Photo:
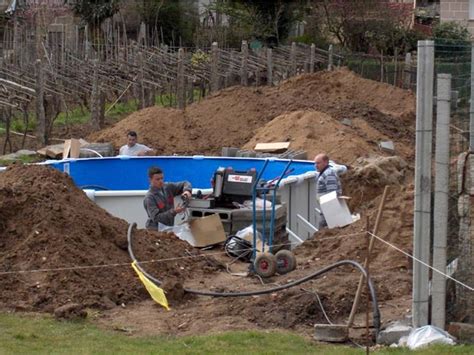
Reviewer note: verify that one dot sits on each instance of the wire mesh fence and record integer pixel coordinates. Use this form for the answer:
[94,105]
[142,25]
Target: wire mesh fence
[455,59]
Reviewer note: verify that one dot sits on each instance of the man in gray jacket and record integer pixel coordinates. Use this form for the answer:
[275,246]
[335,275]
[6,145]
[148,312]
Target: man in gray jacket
[159,199]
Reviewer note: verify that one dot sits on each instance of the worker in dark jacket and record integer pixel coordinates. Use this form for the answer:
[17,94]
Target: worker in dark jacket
[159,199]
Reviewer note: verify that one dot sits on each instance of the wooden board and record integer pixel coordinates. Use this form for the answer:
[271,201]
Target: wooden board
[272,147]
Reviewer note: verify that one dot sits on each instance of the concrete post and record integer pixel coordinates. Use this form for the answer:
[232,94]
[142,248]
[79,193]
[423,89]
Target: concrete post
[40,112]
[407,72]
[471,108]
[440,220]
[244,66]
[330,57]
[269,67]
[181,89]
[422,227]
[140,80]
[312,58]
[214,67]
[95,100]
[293,59]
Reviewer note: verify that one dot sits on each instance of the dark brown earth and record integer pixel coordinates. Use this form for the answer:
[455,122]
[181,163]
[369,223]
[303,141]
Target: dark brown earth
[239,116]
[49,226]
[52,233]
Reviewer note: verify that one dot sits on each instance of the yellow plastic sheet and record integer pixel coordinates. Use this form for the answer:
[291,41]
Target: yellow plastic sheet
[155,292]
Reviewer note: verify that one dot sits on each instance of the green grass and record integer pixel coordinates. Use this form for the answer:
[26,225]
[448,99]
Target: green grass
[81,115]
[25,159]
[26,334]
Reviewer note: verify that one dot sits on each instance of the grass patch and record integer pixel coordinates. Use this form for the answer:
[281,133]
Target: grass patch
[81,115]
[43,334]
[25,159]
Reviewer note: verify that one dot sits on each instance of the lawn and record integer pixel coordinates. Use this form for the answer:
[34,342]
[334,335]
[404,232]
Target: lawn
[26,334]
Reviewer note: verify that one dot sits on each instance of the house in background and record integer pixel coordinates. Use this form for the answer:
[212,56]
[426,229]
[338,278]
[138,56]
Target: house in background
[461,11]
[427,14]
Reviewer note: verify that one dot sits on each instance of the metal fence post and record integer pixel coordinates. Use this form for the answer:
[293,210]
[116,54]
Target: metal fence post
[440,208]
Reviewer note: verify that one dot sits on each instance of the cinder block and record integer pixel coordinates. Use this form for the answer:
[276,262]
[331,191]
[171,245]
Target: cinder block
[334,333]
[464,332]
[387,146]
[229,151]
[393,333]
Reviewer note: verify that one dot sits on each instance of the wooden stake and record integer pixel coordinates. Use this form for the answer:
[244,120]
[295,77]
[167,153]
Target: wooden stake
[371,245]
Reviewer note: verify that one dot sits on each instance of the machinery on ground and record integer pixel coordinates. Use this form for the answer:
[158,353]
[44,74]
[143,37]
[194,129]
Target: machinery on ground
[269,240]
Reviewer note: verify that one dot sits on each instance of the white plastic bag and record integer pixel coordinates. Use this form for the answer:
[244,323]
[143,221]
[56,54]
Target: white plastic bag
[247,234]
[182,231]
[259,203]
[428,335]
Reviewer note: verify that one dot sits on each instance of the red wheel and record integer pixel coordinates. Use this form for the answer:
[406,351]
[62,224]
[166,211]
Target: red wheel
[265,264]
[285,261]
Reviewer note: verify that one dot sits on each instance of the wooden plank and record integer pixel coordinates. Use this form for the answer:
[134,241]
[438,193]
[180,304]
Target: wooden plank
[272,147]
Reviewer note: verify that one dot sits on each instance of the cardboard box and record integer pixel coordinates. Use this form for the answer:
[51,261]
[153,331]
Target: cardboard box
[72,148]
[335,210]
[207,231]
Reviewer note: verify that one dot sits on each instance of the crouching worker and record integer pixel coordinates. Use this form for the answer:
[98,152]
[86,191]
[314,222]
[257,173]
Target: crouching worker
[159,199]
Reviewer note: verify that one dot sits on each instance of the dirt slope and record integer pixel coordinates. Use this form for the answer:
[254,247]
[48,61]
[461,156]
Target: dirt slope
[46,222]
[232,117]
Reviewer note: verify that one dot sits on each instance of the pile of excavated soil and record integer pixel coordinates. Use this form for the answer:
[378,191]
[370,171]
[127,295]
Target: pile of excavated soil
[233,117]
[59,249]
[316,132]
[47,223]
[297,308]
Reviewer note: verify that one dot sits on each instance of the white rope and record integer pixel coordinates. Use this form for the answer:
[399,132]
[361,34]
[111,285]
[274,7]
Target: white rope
[421,262]
[85,267]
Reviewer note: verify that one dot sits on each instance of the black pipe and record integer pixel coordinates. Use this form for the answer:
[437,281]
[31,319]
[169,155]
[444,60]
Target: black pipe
[375,307]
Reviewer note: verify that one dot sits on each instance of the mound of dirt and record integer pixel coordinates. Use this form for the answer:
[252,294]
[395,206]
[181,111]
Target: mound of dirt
[368,177]
[233,116]
[59,248]
[300,307]
[315,132]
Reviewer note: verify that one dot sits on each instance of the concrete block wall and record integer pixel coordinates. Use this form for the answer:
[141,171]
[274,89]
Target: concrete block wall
[457,10]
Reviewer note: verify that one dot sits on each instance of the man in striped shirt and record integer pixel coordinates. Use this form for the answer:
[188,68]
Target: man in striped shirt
[327,181]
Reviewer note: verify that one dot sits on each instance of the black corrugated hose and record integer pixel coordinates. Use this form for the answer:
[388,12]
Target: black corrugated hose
[375,308]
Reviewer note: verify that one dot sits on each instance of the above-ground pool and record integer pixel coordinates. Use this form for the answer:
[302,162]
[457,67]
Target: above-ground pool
[130,173]
[119,184]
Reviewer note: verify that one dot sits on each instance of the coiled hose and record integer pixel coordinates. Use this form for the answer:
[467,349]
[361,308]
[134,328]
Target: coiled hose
[375,307]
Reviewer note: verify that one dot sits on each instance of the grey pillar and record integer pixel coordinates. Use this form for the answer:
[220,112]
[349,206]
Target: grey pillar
[41,127]
[312,57]
[244,67]
[407,72]
[422,227]
[214,67]
[330,57]
[181,89]
[293,59]
[471,109]
[269,67]
[440,220]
